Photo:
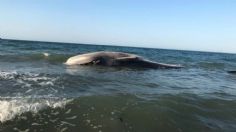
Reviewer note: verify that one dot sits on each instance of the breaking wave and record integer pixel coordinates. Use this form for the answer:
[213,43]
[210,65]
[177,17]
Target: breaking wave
[12,107]
[26,82]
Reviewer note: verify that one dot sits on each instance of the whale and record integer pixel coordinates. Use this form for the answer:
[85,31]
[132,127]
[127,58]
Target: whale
[107,58]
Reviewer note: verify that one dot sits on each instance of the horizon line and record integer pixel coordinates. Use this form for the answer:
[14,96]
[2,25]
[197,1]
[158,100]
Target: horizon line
[91,44]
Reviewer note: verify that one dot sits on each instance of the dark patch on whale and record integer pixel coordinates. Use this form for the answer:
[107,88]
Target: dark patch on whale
[106,58]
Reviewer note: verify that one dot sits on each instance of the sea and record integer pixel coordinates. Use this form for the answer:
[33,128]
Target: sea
[39,93]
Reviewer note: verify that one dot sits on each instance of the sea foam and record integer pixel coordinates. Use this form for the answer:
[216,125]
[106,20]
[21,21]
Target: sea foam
[10,108]
[27,99]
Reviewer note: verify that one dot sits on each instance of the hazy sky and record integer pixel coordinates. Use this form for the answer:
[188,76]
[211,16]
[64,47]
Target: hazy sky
[206,25]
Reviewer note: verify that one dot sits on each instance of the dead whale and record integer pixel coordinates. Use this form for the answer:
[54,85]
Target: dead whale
[106,58]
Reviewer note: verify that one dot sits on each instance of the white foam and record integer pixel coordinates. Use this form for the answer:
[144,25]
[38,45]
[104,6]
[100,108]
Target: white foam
[28,79]
[9,109]
[7,75]
[10,106]
[46,54]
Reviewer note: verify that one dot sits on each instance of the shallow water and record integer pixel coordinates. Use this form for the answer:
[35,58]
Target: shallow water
[39,93]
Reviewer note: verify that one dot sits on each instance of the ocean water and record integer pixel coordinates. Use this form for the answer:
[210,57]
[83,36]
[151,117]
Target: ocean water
[39,93]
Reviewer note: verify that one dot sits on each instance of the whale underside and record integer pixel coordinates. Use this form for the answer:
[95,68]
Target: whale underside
[106,58]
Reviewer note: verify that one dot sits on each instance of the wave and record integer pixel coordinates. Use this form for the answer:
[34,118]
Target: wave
[54,58]
[27,92]
[95,112]
[24,78]
[10,108]
[211,65]
[18,84]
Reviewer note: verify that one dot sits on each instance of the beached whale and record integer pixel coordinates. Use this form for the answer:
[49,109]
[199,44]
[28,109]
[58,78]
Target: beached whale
[106,58]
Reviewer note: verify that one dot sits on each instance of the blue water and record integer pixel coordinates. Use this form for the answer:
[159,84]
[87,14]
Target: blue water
[39,93]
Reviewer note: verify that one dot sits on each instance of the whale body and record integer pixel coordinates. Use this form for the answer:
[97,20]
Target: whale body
[106,58]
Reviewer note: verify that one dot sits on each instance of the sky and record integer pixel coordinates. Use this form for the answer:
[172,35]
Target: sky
[201,25]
